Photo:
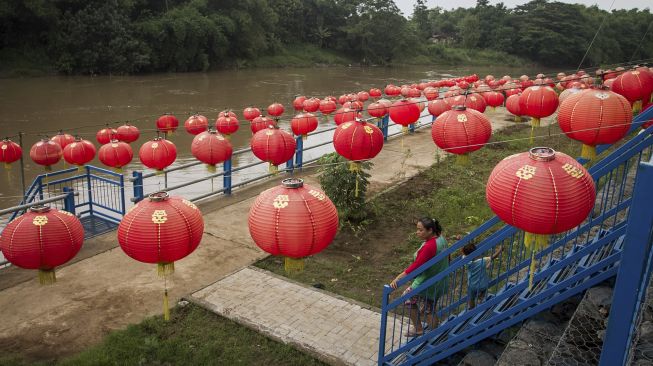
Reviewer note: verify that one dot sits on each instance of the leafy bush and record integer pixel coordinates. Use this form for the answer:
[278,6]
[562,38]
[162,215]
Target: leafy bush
[339,183]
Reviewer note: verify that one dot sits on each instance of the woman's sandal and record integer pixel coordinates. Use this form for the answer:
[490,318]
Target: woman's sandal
[413,334]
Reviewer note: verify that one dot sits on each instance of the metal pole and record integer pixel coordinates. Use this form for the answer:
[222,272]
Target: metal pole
[384,322]
[226,178]
[69,201]
[632,268]
[299,153]
[22,167]
[137,186]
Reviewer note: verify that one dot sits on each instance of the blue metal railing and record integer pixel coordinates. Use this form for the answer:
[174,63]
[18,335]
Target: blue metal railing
[255,169]
[509,273]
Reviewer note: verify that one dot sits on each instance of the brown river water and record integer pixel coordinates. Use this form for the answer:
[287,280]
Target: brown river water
[41,106]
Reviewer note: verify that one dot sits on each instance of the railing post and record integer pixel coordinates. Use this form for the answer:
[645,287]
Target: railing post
[69,201]
[138,186]
[632,269]
[411,127]
[226,178]
[299,153]
[89,190]
[384,323]
[122,194]
[386,122]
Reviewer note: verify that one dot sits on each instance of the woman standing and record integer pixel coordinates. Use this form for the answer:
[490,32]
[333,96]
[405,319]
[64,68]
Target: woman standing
[422,305]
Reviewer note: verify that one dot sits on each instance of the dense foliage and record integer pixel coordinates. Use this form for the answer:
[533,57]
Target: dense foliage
[131,36]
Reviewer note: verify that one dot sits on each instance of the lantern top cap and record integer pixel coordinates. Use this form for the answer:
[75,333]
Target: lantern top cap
[542,154]
[293,182]
[459,108]
[39,209]
[158,196]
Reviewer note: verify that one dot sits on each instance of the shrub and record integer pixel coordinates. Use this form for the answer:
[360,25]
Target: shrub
[339,183]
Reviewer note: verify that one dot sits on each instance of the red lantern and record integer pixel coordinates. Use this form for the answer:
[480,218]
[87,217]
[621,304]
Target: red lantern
[356,141]
[472,101]
[377,110]
[437,107]
[157,154]
[161,230]
[392,91]
[275,109]
[250,113]
[363,96]
[298,103]
[311,105]
[116,154]
[42,238]
[127,133]
[512,105]
[196,124]
[294,220]
[542,192]
[63,139]
[494,99]
[345,114]
[226,125]
[595,117]
[404,112]
[260,123]
[538,102]
[10,152]
[105,135]
[167,123]
[211,148]
[303,124]
[567,93]
[79,152]
[431,93]
[343,99]
[461,131]
[636,86]
[375,93]
[327,106]
[46,152]
[274,146]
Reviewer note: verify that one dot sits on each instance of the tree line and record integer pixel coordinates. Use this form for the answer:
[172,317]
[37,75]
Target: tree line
[136,36]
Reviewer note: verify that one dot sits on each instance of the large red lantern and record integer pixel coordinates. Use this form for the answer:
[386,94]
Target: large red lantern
[461,131]
[404,112]
[196,124]
[226,125]
[79,152]
[127,133]
[167,123]
[261,123]
[294,220]
[595,117]
[303,124]
[512,105]
[538,102]
[636,86]
[116,154]
[274,146]
[357,141]
[377,110]
[63,139]
[10,152]
[211,148]
[275,110]
[327,106]
[567,93]
[161,230]
[46,152]
[105,135]
[298,103]
[43,239]
[542,192]
[345,114]
[250,113]
[157,154]
[438,106]
[311,105]
[494,99]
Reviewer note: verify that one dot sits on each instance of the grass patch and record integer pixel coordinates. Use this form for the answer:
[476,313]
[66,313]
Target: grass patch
[24,62]
[193,336]
[359,262]
[303,55]
[445,55]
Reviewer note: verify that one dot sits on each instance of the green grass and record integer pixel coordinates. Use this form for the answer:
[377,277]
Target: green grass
[25,62]
[446,55]
[303,55]
[193,336]
[358,263]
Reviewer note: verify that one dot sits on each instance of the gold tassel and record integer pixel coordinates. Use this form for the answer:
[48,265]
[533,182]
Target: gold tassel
[7,166]
[118,170]
[170,133]
[48,168]
[532,270]
[273,168]
[532,134]
[227,137]
[637,107]
[404,130]
[293,265]
[588,152]
[159,172]
[356,189]
[47,276]
[166,306]
[518,119]
[80,169]
[354,166]
[304,137]
[210,168]
[462,160]
[165,268]
[535,122]
[492,109]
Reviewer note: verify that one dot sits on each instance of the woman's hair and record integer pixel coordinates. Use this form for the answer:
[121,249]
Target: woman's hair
[431,224]
[469,248]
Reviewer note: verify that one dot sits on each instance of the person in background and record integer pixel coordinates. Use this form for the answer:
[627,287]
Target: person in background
[422,305]
[477,276]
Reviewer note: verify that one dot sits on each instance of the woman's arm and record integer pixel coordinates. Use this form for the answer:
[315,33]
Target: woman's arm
[393,284]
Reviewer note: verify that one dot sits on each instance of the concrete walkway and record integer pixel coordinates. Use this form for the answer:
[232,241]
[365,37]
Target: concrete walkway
[107,290]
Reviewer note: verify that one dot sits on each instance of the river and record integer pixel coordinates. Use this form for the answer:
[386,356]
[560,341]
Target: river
[39,107]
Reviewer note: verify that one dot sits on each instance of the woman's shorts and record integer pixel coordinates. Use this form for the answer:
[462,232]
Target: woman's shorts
[425,305]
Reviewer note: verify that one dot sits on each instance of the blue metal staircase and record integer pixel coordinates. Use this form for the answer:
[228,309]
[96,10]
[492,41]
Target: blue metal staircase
[574,261]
